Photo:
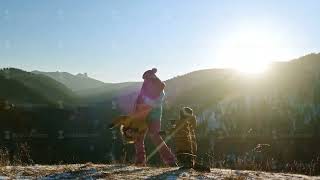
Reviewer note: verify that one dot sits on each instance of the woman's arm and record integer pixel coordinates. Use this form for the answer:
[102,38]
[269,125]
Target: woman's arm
[141,93]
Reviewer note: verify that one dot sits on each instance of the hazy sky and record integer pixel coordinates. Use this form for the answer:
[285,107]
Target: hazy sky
[117,40]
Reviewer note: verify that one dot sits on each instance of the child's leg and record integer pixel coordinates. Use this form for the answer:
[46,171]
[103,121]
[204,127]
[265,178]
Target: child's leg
[165,153]
[185,160]
[194,147]
[193,143]
[140,150]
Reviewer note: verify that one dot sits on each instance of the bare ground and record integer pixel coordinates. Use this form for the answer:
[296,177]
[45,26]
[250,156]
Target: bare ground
[116,171]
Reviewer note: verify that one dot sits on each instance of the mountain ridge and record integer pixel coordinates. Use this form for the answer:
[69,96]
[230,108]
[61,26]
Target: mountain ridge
[76,82]
[197,86]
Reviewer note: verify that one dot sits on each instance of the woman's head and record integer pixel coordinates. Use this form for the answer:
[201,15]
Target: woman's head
[150,74]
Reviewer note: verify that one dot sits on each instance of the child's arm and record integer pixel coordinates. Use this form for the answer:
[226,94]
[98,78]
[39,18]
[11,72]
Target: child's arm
[193,123]
[193,126]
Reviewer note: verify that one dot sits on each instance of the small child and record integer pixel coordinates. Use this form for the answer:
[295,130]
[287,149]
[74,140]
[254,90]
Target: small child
[185,140]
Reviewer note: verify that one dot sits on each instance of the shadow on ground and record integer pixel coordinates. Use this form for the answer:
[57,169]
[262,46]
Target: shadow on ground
[174,174]
[95,173]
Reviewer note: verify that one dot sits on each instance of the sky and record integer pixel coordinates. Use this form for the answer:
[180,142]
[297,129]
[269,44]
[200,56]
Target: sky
[116,41]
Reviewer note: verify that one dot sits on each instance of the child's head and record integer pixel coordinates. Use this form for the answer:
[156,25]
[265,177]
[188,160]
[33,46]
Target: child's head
[185,112]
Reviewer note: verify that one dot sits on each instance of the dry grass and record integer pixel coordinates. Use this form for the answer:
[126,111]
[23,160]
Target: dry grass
[4,157]
[271,165]
[265,163]
[22,157]
[19,157]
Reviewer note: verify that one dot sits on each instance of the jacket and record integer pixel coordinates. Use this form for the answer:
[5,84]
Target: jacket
[184,137]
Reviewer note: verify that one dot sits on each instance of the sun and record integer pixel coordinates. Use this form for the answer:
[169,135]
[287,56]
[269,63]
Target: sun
[250,50]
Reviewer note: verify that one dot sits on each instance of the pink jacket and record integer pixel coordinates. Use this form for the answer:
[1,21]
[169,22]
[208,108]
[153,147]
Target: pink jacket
[151,88]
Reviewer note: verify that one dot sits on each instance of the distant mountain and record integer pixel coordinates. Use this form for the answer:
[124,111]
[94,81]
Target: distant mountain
[299,78]
[109,91]
[204,83]
[25,87]
[76,83]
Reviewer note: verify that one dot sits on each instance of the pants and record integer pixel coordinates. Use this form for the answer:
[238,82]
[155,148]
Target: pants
[153,132]
[186,159]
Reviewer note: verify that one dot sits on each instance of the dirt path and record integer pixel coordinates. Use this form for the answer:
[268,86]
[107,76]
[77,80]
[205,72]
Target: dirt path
[103,171]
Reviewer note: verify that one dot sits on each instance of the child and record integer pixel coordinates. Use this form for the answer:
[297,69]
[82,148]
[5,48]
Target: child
[185,140]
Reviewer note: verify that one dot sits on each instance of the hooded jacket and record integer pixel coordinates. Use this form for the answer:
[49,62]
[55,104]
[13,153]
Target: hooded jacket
[185,138]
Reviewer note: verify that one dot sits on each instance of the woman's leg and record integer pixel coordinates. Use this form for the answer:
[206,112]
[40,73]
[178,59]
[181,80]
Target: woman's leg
[165,153]
[140,150]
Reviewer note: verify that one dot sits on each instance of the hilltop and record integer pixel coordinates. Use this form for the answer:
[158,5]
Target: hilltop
[76,82]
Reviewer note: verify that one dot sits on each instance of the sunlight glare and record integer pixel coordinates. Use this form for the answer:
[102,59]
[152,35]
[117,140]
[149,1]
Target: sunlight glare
[250,50]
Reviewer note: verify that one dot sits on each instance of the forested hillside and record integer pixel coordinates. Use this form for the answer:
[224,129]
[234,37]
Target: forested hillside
[33,88]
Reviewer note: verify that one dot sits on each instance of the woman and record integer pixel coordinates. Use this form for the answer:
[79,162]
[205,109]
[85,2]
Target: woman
[152,94]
